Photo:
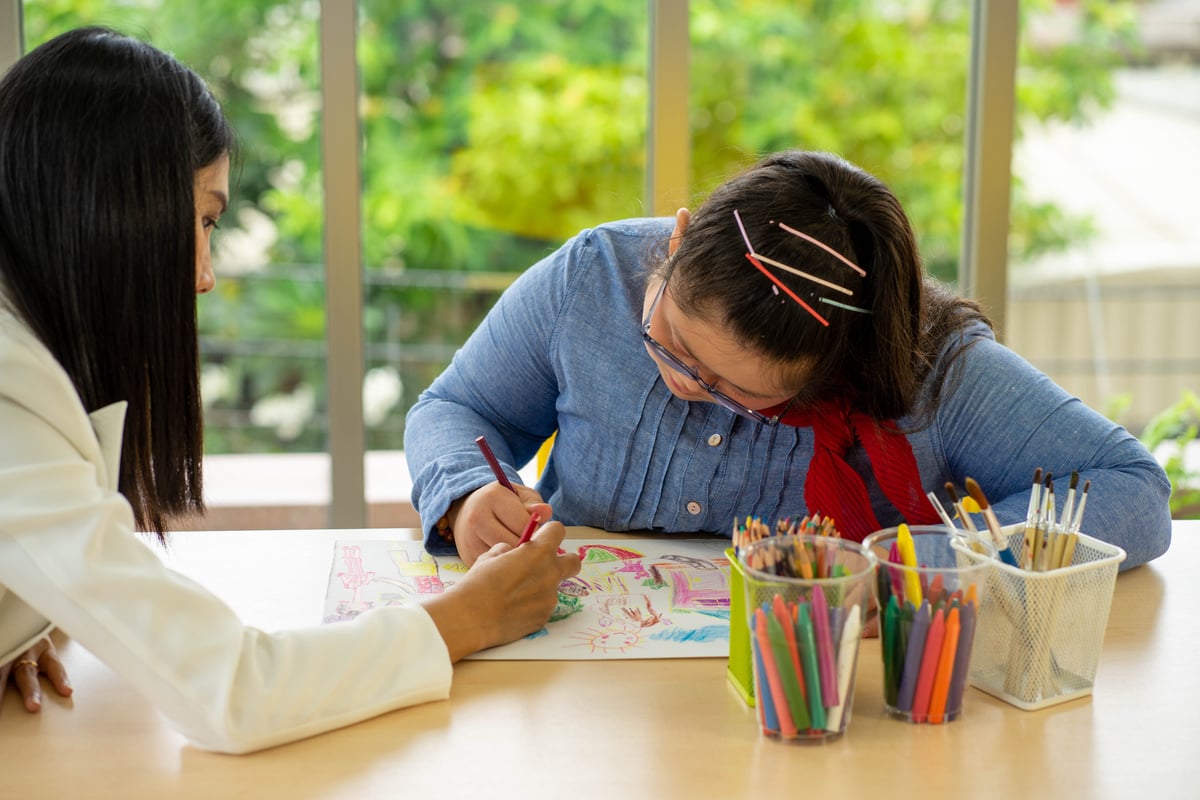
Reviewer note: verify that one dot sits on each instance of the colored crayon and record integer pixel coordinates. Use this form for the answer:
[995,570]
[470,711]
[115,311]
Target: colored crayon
[929,661]
[945,668]
[912,658]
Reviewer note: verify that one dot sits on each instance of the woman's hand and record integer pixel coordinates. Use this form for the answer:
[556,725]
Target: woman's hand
[508,593]
[25,669]
[493,515]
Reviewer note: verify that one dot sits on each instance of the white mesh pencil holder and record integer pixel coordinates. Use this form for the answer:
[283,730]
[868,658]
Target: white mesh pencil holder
[1040,633]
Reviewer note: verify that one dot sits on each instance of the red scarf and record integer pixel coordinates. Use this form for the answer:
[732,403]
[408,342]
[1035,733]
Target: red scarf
[832,487]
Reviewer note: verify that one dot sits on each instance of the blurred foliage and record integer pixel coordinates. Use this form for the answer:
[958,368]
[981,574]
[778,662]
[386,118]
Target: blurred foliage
[493,131]
[1170,435]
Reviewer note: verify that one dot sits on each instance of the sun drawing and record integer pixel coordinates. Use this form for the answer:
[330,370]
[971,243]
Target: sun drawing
[607,640]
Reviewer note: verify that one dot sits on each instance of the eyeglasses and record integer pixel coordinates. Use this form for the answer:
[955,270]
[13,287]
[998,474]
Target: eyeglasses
[670,358]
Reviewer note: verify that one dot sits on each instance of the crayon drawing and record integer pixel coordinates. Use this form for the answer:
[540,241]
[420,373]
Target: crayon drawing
[649,598]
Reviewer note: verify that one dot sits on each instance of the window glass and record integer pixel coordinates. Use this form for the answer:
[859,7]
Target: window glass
[1105,246]
[882,84]
[262,329]
[493,132]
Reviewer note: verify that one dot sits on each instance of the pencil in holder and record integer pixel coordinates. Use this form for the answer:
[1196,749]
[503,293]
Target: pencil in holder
[1040,633]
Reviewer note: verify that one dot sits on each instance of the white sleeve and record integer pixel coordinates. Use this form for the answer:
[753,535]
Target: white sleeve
[67,549]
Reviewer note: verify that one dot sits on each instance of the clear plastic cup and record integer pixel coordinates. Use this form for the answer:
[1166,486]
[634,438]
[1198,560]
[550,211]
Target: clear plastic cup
[806,603]
[929,586]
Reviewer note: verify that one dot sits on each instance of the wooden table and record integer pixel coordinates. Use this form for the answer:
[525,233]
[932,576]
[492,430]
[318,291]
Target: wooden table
[630,729]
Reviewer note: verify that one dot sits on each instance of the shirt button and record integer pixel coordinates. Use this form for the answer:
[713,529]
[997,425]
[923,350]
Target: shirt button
[714,440]
[694,508]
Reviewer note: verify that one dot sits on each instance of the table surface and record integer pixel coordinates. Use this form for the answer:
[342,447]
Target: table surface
[615,729]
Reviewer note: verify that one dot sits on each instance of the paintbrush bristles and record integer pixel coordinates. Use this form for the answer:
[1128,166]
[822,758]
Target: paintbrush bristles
[977,493]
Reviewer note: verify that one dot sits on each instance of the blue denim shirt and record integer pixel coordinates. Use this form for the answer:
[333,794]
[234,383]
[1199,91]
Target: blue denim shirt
[562,350]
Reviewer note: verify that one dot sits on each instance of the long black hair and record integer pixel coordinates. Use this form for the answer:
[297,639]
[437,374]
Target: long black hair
[875,353]
[101,136]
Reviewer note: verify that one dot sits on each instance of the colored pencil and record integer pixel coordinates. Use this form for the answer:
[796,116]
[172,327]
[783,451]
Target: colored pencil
[530,527]
[486,449]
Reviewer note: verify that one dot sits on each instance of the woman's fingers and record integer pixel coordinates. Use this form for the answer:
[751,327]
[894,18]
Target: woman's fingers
[24,674]
[54,670]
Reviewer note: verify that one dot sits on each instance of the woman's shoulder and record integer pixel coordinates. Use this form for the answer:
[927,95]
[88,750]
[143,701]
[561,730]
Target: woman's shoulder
[22,355]
[32,379]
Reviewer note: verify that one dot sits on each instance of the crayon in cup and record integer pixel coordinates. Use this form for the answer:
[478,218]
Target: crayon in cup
[931,582]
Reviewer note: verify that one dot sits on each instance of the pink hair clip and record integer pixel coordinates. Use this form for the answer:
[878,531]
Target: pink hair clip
[823,246]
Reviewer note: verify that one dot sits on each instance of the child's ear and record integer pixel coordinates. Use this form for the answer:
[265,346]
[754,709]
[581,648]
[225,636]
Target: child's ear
[682,218]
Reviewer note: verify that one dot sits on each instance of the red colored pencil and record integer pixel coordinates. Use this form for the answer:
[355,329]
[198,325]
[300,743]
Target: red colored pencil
[486,449]
[534,519]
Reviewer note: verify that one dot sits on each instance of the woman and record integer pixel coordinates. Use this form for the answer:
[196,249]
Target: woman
[114,169]
[779,352]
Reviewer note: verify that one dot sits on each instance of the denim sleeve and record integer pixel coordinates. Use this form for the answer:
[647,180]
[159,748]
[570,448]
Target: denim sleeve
[1001,419]
[500,384]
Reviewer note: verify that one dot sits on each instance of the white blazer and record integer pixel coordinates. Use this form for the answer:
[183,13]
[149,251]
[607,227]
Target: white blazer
[69,557]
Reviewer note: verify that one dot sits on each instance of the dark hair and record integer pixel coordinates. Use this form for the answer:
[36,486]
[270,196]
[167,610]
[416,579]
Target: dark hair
[876,360]
[101,136]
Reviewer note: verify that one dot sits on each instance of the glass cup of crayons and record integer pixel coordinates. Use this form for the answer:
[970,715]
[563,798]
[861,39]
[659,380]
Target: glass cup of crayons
[806,602]
[929,586]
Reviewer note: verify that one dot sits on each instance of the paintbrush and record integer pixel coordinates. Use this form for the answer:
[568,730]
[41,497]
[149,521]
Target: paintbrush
[1073,531]
[1031,519]
[968,523]
[1062,530]
[940,509]
[993,524]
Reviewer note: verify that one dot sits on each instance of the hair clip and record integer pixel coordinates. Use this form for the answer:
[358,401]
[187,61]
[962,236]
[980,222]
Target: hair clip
[757,258]
[789,292]
[843,305]
[805,275]
[824,247]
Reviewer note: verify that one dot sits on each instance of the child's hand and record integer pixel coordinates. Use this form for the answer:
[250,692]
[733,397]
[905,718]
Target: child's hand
[493,515]
[510,592]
